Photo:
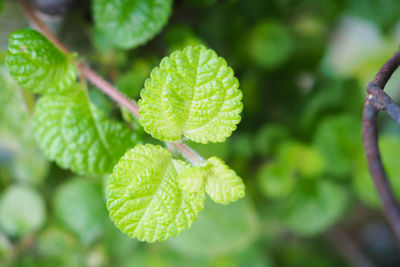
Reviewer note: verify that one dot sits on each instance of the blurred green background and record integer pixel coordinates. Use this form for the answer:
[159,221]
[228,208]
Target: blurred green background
[302,66]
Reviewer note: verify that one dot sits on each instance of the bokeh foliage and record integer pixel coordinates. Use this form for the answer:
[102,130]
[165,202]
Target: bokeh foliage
[302,67]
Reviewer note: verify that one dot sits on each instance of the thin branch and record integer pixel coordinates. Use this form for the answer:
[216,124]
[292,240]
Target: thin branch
[370,139]
[189,154]
[382,101]
[101,83]
[42,26]
[108,89]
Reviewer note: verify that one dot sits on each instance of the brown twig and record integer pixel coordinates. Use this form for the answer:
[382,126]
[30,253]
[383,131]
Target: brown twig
[101,83]
[376,100]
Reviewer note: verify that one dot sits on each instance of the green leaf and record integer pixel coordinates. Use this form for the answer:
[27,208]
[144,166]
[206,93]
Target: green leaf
[37,65]
[223,185]
[84,199]
[192,179]
[270,44]
[193,93]
[22,210]
[302,158]
[314,206]
[276,180]
[130,23]
[144,198]
[29,165]
[77,135]
[14,115]
[220,230]
[335,140]
[269,137]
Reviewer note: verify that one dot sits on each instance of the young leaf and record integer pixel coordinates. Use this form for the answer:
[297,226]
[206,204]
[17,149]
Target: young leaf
[193,93]
[223,184]
[130,23]
[36,64]
[144,198]
[77,135]
[192,179]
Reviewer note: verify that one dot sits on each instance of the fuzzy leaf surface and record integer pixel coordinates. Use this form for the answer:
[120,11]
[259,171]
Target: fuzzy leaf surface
[223,184]
[192,93]
[130,23]
[144,198]
[77,134]
[37,65]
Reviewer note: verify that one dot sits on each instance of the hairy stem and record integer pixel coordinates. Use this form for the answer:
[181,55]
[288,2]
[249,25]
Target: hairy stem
[101,83]
[189,154]
[375,101]
[108,89]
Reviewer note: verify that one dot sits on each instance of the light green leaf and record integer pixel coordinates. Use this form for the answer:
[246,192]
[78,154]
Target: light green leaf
[193,93]
[77,135]
[314,206]
[37,65]
[223,184]
[192,179]
[22,210]
[144,198]
[130,23]
[79,206]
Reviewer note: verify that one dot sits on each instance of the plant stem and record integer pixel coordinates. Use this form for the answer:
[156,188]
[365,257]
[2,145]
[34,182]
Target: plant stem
[382,101]
[370,140]
[108,89]
[42,26]
[101,83]
[189,154]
